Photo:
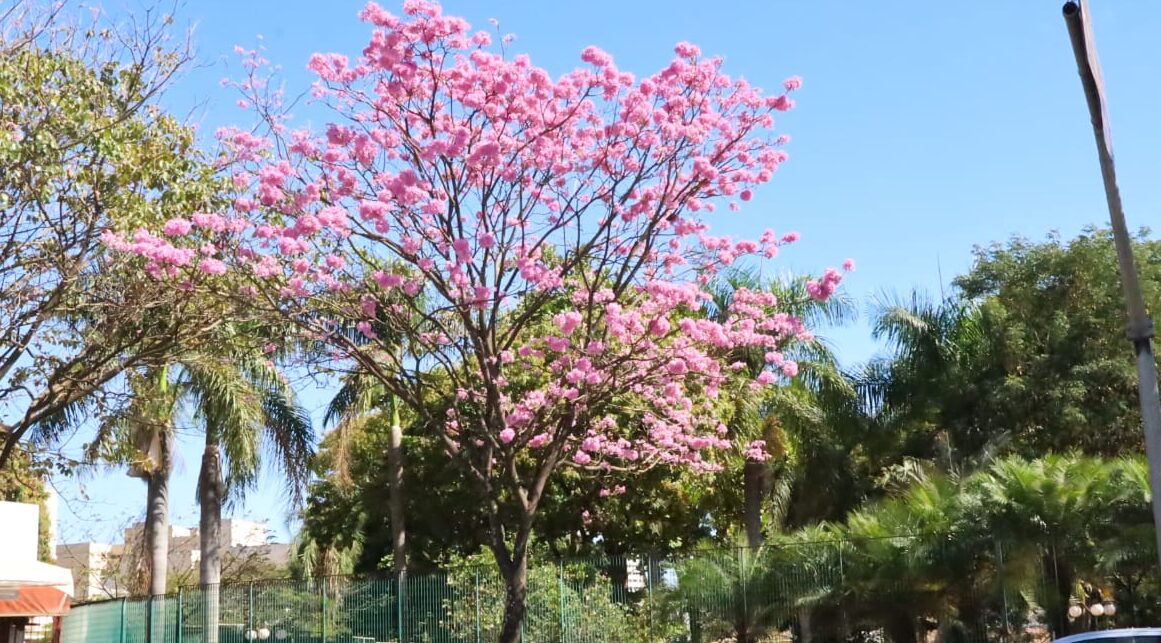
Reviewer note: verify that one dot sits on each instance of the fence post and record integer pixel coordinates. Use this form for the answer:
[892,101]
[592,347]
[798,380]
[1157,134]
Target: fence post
[649,591]
[842,579]
[322,608]
[400,591]
[1003,588]
[477,576]
[560,567]
[177,618]
[745,589]
[250,607]
[121,638]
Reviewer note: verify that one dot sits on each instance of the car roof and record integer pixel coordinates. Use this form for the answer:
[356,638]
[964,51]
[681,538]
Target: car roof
[1111,634]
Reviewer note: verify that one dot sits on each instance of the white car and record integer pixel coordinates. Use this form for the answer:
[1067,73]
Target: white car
[1128,635]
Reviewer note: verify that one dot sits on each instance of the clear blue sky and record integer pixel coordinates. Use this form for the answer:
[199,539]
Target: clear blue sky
[922,129]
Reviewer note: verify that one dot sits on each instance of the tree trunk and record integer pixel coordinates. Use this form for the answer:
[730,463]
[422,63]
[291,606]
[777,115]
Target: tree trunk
[155,539]
[515,595]
[156,532]
[395,494]
[754,478]
[804,633]
[211,492]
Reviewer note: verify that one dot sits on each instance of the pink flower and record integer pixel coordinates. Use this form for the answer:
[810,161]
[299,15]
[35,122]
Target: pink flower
[686,50]
[792,83]
[745,195]
[849,265]
[177,227]
[567,322]
[366,329]
[212,267]
[582,458]
[507,435]
[594,56]
[790,368]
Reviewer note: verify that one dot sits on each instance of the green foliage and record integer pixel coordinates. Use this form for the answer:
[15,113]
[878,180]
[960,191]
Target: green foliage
[573,601]
[1028,357]
[346,523]
[84,149]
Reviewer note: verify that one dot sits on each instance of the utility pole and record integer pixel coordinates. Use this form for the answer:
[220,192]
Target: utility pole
[1140,329]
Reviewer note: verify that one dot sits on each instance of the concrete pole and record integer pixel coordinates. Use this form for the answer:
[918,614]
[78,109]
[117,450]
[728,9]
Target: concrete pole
[1140,328]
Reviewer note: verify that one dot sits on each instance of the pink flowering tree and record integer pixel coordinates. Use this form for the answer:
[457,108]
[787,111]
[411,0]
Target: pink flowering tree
[541,244]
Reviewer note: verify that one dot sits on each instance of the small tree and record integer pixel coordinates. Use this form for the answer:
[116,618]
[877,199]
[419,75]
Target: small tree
[553,228]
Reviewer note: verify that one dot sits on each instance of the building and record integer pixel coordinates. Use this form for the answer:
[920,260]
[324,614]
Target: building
[101,570]
[95,568]
[33,594]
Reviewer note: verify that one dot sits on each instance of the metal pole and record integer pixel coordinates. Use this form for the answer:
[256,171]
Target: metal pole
[400,592]
[561,569]
[177,618]
[250,608]
[322,614]
[121,638]
[477,605]
[1140,329]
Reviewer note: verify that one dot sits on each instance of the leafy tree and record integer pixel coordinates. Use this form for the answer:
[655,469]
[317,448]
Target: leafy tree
[758,418]
[500,195]
[1028,356]
[83,148]
[238,398]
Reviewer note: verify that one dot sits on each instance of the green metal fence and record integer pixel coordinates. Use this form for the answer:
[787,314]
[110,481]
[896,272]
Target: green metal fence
[884,591]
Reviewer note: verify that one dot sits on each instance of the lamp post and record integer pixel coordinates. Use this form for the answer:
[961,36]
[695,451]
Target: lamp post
[1140,328]
[1096,609]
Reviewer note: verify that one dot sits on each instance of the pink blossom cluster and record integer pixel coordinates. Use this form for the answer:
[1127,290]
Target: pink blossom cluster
[460,192]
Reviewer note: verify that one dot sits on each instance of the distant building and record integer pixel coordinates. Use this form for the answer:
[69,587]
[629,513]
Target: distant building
[99,570]
[95,568]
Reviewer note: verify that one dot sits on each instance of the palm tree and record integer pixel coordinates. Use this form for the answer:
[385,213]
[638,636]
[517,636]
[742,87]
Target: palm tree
[147,431]
[758,414]
[929,385]
[240,399]
[359,401]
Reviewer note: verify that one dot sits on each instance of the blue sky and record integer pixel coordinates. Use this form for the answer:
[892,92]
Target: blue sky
[923,128]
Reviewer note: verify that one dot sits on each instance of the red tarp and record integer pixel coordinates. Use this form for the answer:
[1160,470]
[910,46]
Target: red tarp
[33,601]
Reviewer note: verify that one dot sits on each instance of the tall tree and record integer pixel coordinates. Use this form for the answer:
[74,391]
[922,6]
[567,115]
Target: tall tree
[83,148]
[756,415]
[1025,356]
[241,401]
[238,397]
[555,229]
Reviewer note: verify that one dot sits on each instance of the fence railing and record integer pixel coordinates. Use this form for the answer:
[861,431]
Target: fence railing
[887,590]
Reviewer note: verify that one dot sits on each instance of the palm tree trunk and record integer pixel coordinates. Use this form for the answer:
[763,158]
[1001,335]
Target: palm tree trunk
[395,494]
[754,482]
[157,523]
[155,537]
[211,490]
